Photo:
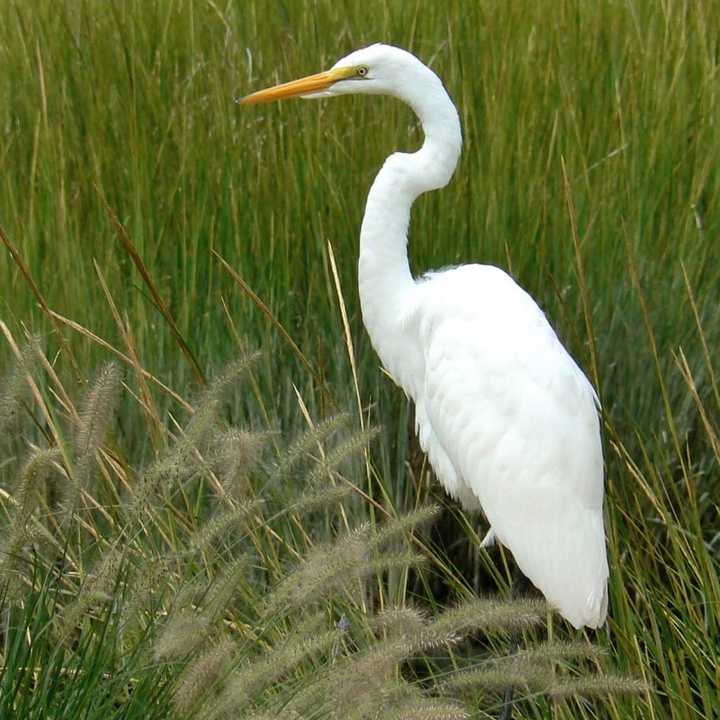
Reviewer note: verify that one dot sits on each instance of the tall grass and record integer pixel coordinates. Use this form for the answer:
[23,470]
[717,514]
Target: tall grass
[590,171]
[200,588]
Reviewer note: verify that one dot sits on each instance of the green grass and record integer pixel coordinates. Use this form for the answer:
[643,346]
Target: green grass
[211,582]
[594,116]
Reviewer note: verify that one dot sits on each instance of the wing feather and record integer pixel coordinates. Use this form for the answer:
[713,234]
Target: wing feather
[507,417]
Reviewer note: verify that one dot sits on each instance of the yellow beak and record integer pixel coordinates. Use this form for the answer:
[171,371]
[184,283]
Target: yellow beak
[303,86]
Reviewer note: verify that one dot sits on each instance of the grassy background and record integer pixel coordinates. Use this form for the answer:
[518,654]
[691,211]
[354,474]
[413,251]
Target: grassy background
[595,116]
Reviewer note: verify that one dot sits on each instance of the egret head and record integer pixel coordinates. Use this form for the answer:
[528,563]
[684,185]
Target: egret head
[375,70]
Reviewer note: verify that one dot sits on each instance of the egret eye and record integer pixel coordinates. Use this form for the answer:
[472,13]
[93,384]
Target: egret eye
[362,71]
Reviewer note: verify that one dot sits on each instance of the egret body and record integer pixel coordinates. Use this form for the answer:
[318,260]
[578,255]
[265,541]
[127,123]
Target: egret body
[508,420]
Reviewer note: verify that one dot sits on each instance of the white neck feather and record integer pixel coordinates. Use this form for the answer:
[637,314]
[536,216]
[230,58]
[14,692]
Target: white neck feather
[385,283]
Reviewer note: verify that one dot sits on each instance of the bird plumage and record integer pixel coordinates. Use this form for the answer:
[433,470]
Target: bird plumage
[507,418]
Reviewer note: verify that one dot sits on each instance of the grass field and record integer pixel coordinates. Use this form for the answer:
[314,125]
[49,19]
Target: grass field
[153,222]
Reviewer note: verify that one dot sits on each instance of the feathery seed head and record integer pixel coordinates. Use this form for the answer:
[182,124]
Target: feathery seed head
[224,588]
[236,454]
[222,523]
[313,437]
[320,495]
[183,632]
[497,677]
[14,388]
[556,651]
[348,448]
[597,686]
[34,473]
[249,681]
[400,621]
[201,674]
[95,416]
[397,527]
[428,709]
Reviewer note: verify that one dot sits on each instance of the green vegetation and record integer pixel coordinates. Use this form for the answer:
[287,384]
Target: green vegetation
[201,588]
[153,222]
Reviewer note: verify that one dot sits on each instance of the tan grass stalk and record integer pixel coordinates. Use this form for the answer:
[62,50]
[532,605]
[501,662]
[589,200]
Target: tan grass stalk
[184,631]
[14,388]
[590,686]
[201,674]
[96,415]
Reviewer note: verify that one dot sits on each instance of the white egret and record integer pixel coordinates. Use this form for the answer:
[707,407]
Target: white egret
[507,418]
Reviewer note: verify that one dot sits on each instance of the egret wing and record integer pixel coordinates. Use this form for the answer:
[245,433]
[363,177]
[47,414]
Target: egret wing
[509,408]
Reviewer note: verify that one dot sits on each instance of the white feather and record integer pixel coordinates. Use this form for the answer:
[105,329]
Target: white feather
[506,402]
[507,418]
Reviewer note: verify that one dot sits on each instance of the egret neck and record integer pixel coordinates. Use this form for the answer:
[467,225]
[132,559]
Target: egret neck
[385,283]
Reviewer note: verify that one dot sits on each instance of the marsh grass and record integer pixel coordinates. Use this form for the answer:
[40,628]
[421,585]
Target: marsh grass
[208,595]
[151,221]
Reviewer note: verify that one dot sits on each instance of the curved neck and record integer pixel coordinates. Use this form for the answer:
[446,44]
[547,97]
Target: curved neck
[385,282]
